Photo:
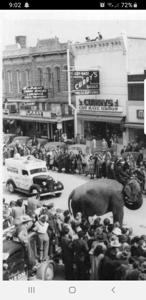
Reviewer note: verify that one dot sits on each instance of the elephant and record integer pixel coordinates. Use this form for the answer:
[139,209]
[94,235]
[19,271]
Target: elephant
[105,195]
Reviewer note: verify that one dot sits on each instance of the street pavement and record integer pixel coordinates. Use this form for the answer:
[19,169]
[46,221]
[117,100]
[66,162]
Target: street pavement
[135,219]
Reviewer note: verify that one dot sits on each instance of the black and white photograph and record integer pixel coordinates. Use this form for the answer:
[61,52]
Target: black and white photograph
[73,149]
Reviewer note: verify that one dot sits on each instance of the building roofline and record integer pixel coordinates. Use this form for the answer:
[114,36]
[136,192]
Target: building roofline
[97,41]
[136,38]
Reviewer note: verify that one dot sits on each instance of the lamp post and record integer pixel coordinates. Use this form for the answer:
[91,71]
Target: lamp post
[69,94]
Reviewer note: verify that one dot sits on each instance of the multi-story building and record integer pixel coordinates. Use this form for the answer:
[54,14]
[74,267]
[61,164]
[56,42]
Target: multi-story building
[101,86]
[35,88]
[135,115]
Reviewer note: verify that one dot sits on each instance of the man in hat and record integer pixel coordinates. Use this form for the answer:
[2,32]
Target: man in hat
[67,253]
[81,256]
[41,227]
[110,263]
[22,226]
[33,204]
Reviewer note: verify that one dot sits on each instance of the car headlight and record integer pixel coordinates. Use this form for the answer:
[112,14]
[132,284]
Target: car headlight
[59,186]
[44,183]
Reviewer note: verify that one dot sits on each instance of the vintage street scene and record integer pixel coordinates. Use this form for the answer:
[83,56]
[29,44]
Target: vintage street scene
[74,150]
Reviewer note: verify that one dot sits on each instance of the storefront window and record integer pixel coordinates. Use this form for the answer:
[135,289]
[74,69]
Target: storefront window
[100,130]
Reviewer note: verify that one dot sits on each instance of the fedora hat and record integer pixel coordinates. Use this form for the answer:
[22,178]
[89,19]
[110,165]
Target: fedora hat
[115,244]
[117,231]
[23,219]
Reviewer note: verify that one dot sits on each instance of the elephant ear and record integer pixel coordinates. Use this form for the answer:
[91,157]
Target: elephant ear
[133,195]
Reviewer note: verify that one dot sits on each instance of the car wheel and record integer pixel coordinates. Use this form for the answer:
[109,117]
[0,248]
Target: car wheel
[11,187]
[45,271]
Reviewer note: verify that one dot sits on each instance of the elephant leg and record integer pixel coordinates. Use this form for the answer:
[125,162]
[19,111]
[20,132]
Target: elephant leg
[118,214]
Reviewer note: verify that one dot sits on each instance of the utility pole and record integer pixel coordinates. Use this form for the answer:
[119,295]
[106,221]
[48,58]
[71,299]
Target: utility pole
[69,94]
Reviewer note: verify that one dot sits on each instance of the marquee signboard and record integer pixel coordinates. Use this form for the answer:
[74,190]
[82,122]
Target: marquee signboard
[34,92]
[86,82]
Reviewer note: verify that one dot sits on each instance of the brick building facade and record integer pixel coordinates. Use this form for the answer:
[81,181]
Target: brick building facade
[46,66]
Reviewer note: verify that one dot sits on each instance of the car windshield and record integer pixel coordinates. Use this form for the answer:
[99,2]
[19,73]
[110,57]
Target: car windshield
[39,170]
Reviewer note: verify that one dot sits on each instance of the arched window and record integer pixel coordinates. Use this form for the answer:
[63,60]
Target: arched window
[27,76]
[57,78]
[48,78]
[18,78]
[40,77]
[10,82]
[65,77]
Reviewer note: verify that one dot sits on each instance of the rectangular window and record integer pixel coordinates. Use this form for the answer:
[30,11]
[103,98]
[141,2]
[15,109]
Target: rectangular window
[136,91]
[28,78]
[10,83]
[48,78]
[40,77]
[18,75]
[57,71]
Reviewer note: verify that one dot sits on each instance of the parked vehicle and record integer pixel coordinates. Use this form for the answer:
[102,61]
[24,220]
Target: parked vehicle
[30,176]
[15,264]
[8,138]
[38,141]
[21,140]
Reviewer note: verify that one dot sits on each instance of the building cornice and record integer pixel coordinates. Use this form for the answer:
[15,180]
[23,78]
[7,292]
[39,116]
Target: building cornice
[113,44]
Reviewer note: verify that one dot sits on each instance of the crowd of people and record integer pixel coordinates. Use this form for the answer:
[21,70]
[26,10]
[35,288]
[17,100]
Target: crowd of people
[103,163]
[87,249]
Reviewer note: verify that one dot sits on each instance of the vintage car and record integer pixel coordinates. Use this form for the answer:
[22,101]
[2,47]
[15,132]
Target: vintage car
[19,140]
[15,263]
[8,138]
[38,141]
[30,176]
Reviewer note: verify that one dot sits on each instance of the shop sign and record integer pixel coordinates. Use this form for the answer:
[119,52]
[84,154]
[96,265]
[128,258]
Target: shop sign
[86,82]
[47,114]
[99,105]
[34,113]
[101,108]
[34,92]
[140,114]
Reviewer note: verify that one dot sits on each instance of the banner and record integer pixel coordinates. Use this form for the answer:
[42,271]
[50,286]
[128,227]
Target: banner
[34,92]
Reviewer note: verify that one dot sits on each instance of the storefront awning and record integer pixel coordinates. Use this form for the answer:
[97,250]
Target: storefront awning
[106,119]
[36,119]
[134,125]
